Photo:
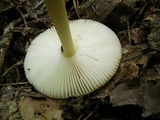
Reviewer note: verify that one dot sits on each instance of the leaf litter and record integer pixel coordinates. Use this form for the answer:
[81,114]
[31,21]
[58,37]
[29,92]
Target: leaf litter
[134,91]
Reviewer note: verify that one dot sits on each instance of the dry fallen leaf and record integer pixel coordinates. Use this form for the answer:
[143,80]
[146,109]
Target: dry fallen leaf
[145,59]
[143,91]
[125,93]
[47,109]
[151,102]
[97,9]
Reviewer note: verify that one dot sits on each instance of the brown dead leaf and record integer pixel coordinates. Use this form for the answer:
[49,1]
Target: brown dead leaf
[9,109]
[130,52]
[143,91]
[157,68]
[127,70]
[97,9]
[125,93]
[154,36]
[145,59]
[48,109]
[136,35]
[103,91]
[150,74]
[151,102]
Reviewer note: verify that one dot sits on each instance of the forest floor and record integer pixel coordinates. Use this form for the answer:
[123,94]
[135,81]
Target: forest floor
[132,94]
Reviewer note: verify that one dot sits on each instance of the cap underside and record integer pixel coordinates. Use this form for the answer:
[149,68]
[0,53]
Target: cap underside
[94,63]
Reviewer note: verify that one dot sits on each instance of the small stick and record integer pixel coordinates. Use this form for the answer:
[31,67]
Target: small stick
[12,67]
[22,17]
[19,83]
[75,3]
[129,33]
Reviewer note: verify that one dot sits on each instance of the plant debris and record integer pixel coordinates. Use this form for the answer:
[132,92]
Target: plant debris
[132,94]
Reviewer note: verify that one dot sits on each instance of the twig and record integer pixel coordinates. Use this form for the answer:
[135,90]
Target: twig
[11,26]
[129,33]
[40,4]
[18,75]
[22,17]
[141,11]
[94,10]
[12,67]
[19,83]
[88,116]
[75,3]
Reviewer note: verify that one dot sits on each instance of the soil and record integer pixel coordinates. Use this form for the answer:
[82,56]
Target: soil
[132,94]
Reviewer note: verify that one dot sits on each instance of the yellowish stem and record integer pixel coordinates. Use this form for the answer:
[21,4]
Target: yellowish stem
[57,11]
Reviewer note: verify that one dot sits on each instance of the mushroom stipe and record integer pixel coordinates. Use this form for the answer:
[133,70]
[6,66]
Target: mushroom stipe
[96,60]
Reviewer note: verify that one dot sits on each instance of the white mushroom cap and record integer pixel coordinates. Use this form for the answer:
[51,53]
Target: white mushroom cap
[96,60]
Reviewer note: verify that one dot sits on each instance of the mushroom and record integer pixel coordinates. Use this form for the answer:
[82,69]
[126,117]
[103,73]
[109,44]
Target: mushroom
[72,58]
